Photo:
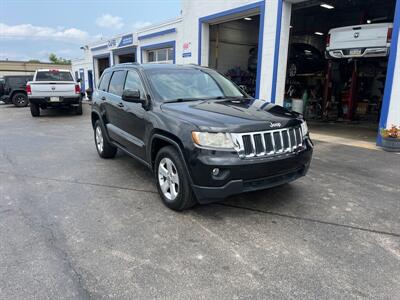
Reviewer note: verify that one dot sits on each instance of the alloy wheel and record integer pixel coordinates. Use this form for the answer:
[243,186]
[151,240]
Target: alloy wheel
[99,139]
[168,178]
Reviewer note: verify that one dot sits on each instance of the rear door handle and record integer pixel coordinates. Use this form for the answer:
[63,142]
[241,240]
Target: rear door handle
[103,98]
[120,104]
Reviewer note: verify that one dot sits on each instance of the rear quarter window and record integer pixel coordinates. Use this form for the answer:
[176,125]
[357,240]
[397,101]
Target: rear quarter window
[104,82]
[53,76]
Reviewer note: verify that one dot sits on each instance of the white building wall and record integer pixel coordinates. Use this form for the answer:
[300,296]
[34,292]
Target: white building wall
[191,12]
[173,36]
[283,52]
[268,51]
[84,63]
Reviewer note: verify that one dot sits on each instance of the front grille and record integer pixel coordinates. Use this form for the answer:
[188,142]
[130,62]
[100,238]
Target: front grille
[268,143]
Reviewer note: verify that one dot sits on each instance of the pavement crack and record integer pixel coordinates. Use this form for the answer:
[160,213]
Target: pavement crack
[53,243]
[81,182]
[310,220]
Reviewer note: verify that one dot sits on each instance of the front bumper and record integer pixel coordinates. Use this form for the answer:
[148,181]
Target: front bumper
[45,101]
[244,175]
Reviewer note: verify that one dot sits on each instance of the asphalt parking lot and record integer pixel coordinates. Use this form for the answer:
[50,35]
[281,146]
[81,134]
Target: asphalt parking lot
[74,226]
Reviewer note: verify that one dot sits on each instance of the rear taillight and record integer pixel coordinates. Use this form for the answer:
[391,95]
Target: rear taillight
[77,89]
[389,35]
[328,40]
[28,89]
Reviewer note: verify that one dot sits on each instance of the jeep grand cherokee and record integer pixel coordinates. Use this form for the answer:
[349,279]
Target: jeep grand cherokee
[202,137]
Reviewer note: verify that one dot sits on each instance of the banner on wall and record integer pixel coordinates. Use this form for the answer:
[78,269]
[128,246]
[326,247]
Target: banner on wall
[187,49]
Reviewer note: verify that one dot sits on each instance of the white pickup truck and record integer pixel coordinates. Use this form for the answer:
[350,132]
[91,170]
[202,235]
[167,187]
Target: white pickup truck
[53,88]
[367,40]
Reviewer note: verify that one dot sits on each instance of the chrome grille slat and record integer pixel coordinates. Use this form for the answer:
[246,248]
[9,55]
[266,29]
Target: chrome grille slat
[253,146]
[268,143]
[273,142]
[264,145]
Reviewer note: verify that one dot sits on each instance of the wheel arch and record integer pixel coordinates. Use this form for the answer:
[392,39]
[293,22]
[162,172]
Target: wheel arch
[161,139]
[17,91]
[94,117]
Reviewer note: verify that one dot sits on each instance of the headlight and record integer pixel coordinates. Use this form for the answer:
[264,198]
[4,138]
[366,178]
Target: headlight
[304,128]
[213,140]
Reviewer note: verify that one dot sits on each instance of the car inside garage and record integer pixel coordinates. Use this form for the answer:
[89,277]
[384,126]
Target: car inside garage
[234,50]
[337,64]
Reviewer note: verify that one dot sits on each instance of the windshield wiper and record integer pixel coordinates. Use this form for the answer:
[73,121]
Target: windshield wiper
[182,100]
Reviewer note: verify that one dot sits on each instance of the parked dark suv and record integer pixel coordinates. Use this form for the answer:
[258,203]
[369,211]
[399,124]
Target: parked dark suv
[12,89]
[202,136]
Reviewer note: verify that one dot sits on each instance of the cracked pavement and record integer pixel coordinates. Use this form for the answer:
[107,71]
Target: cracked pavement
[74,226]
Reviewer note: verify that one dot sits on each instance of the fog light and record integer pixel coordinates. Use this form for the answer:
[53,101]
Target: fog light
[215,171]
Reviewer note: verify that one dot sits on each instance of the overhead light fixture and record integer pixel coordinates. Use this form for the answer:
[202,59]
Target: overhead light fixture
[318,33]
[248,19]
[327,6]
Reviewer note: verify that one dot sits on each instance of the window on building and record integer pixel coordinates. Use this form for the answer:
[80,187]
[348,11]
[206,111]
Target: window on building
[171,53]
[117,83]
[164,55]
[151,56]
[133,82]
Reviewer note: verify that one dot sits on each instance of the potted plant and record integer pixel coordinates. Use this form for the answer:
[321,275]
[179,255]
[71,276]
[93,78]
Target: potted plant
[391,138]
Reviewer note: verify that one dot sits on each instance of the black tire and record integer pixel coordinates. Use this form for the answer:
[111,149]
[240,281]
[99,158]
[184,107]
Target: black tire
[107,150]
[185,197]
[35,110]
[78,109]
[20,100]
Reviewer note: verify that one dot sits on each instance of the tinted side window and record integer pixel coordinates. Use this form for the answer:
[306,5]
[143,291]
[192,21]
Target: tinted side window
[133,82]
[105,81]
[16,81]
[117,83]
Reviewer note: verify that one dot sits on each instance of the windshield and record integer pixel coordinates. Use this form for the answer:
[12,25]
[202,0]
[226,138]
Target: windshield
[191,84]
[54,75]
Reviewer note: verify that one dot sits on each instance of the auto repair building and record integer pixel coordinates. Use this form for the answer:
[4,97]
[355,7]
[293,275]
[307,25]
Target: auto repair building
[255,43]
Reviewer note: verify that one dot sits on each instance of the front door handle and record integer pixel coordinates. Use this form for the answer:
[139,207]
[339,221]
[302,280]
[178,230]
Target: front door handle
[103,98]
[120,104]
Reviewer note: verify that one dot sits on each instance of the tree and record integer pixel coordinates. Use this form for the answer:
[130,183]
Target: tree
[34,61]
[58,60]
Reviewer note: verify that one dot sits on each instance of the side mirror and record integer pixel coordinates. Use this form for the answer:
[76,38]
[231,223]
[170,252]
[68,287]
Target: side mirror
[132,96]
[79,80]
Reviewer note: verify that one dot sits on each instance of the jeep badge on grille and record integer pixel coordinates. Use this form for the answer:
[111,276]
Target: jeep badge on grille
[275,125]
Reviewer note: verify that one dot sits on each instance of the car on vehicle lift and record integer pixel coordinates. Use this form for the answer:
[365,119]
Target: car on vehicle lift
[359,41]
[202,136]
[53,89]
[304,59]
[12,89]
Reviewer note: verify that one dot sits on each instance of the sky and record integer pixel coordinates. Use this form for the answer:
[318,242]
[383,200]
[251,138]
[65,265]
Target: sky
[32,29]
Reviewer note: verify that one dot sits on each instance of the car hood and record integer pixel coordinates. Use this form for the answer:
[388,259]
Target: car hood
[233,115]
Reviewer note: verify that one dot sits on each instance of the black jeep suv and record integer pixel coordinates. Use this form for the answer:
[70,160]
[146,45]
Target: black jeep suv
[202,136]
[12,89]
